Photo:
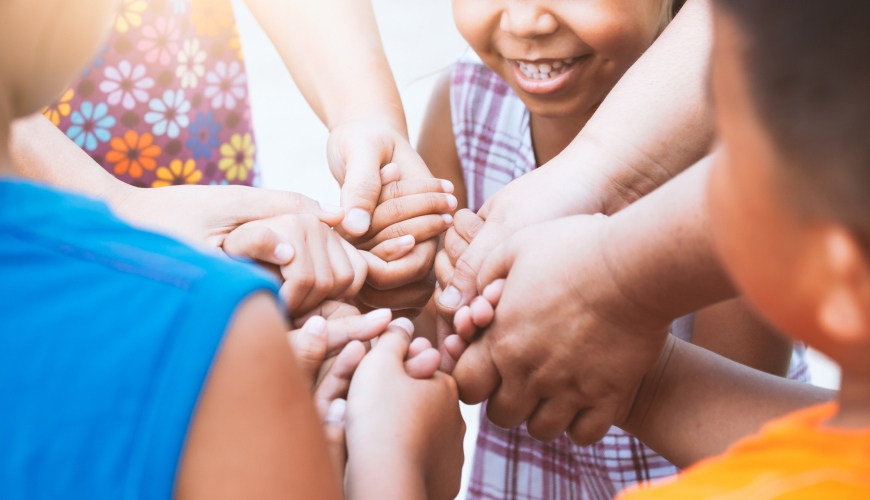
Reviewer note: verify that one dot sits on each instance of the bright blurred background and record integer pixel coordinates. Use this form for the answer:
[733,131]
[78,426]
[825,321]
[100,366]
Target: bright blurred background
[421,42]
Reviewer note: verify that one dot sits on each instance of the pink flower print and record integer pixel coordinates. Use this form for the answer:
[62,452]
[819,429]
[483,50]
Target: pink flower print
[159,41]
[225,85]
[190,63]
[126,84]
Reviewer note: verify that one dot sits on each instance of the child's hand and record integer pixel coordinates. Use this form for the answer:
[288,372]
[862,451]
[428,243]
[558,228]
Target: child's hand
[404,435]
[479,314]
[315,262]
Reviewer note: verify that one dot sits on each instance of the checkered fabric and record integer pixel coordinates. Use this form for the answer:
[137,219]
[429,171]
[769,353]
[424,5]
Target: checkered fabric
[493,139]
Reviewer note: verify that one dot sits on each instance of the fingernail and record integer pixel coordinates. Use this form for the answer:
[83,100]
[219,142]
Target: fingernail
[404,324]
[337,412]
[450,297]
[284,252]
[405,241]
[379,315]
[315,325]
[446,186]
[358,220]
[451,201]
[333,209]
[447,218]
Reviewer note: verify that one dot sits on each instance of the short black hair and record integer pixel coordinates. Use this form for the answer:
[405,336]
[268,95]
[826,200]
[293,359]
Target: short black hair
[807,65]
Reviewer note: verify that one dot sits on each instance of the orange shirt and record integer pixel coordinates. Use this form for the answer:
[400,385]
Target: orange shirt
[792,458]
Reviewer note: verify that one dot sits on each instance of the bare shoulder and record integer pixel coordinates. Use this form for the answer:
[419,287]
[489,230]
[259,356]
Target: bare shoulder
[437,145]
[255,433]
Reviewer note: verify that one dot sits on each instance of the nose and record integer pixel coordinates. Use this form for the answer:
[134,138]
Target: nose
[527,19]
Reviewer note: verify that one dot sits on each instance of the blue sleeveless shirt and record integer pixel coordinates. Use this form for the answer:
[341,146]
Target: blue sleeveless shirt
[107,334]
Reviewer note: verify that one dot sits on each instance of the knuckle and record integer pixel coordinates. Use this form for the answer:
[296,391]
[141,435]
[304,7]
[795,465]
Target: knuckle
[393,190]
[395,210]
[303,280]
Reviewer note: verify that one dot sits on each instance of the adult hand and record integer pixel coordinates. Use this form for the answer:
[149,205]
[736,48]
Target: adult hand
[315,262]
[566,348]
[419,418]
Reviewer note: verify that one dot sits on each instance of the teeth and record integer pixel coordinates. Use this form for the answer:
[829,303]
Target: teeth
[543,71]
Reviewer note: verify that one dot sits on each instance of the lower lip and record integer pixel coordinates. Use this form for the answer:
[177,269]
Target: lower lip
[548,86]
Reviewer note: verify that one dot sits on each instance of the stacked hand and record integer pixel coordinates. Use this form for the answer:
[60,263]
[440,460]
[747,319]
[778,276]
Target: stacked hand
[563,348]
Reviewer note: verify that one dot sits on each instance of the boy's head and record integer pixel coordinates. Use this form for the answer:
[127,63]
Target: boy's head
[789,194]
[43,45]
[561,57]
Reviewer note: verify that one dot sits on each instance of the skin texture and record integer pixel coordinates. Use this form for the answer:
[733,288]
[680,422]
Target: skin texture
[653,124]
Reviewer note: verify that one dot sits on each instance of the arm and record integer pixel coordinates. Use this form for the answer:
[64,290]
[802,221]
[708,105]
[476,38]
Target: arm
[653,124]
[694,403]
[255,433]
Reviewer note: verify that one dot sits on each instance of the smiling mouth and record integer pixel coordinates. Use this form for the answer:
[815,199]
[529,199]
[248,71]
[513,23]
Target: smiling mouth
[546,69]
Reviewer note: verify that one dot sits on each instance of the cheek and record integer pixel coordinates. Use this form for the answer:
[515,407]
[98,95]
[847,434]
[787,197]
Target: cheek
[619,31]
[475,22]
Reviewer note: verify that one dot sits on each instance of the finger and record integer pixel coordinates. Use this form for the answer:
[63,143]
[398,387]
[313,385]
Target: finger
[417,185]
[395,248]
[463,286]
[510,405]
[361,189]
[455,346]
[417,346]
[334,430]
[407,207]
[339,262]
[463,324]
[392,345]
[589,426]
[413,267]
[552,418]
[298,277]
[476,374]
[443,331]
[336,382]
[454,244]
[318,249]
[329,309]
[468,224]
[493,291]
[424,365]
[310,345]
[443,269]
[482,312]
[341,331]
[410,298]
[251,204]
[496,266]
[360,270]
[258,243]
[390,173]
[422,228]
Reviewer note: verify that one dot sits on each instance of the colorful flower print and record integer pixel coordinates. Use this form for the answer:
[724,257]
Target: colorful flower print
[159,41]
[177,173]
[225,85]
[132,153]
[59,109]
[179,6]
[203,135]
[130,15]
[90,125]
[126,84]
[210,16]
[169,114]
[190,68]
[238,157]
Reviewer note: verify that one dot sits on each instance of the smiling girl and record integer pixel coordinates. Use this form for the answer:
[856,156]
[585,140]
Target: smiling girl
[538,72]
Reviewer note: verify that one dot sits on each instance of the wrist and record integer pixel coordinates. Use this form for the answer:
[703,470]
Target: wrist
[645,397]
[381,473]
[390,115]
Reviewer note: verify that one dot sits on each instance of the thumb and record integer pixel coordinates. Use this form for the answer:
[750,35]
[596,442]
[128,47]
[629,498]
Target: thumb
[309,345]
[393,344]
[360,191]
[463,285]
[256,204]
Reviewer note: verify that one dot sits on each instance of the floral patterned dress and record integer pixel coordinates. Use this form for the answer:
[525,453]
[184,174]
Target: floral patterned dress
[165,102]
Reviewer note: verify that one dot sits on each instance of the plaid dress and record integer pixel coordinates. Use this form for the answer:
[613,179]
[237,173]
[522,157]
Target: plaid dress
[493,139]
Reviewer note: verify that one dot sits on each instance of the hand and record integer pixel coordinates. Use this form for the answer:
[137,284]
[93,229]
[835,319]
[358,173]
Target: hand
[419,419]
[315,262]
[558,189]
[566,350]
[207,214]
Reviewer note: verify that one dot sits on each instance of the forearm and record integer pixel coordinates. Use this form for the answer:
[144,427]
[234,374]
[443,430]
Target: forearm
[656,121]
[660,252]
[40,151]
[334,53]
[694,404]
[372,478]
